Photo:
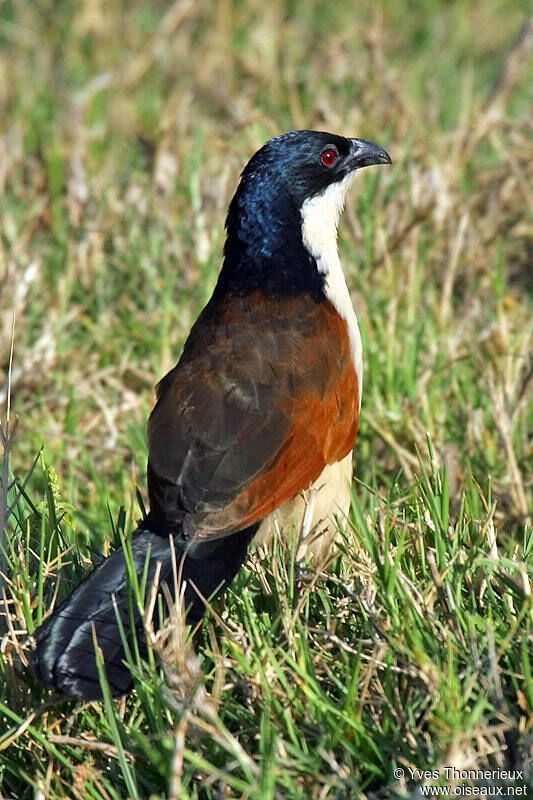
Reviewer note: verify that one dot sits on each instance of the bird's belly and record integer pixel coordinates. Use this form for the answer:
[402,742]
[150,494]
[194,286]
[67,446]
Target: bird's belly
[314,516]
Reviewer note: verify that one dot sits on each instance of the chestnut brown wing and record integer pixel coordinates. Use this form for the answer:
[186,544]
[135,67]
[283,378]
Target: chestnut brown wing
[264,396]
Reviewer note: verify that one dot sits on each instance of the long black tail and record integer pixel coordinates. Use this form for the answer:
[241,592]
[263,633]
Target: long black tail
[65,654]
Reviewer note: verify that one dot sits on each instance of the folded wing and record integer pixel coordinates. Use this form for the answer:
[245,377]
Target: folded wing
[249,419]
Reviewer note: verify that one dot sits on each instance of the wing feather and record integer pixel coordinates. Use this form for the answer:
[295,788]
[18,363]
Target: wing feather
[264,396]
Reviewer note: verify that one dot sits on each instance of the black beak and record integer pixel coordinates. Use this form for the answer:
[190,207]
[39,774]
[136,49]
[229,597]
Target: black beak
[365,154]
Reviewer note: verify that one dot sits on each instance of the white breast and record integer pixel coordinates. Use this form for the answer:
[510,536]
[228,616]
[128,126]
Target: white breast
[320,218]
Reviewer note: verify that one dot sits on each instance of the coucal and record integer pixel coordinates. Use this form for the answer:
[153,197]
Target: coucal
[262,406]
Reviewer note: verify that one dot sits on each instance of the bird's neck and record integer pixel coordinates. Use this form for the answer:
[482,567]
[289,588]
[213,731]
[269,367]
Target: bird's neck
[276,248]
[264,248]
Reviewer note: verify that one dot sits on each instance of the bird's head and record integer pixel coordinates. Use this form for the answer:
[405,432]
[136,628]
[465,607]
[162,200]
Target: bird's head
[303,164]
[295,179]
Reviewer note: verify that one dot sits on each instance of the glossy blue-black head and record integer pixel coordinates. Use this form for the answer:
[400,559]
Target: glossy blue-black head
[304,163]
[265,247]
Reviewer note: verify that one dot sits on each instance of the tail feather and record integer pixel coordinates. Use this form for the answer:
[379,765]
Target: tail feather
[65,654]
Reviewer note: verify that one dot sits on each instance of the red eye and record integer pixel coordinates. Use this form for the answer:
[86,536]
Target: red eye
[328,157]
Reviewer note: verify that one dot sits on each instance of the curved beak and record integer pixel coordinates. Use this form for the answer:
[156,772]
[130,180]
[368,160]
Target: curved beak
[365,154]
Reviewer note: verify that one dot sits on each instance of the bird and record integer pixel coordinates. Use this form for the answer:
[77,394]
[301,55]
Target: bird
[260,413]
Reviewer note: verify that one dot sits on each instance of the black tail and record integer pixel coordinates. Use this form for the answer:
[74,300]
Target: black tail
[65,654]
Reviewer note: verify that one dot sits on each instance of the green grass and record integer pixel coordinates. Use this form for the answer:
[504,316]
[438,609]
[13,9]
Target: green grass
[123,130]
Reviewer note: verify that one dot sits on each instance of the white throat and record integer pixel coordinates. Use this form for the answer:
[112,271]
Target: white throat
[320,218]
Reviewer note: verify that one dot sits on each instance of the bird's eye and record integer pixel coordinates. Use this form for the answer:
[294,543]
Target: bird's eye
[329,157]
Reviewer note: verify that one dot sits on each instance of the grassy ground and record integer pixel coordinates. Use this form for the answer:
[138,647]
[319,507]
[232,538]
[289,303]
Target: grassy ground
[123,128]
